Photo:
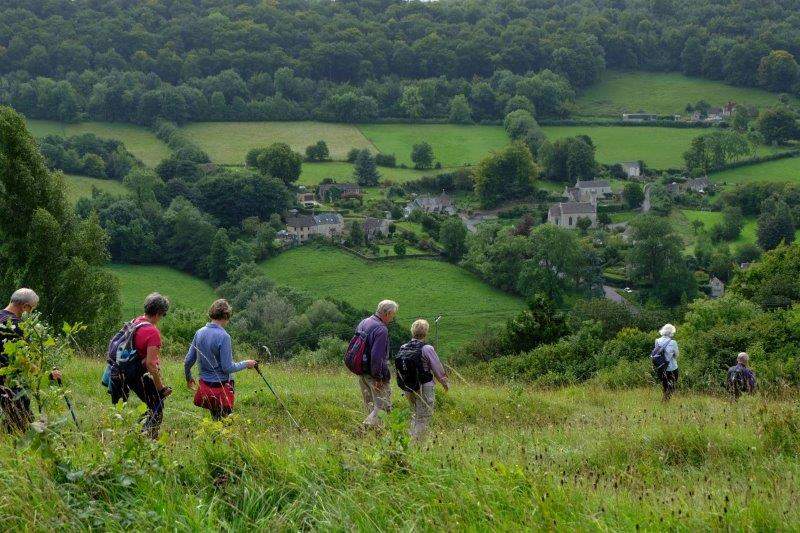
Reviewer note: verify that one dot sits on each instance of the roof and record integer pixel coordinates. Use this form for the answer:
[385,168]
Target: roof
[372,224]
[433,201]
[302,221]
[592,184]
[703,182]
[344,187]
[630,164]
[572,208]
[328,218]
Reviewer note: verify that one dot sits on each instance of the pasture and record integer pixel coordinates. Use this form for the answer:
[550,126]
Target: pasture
[500,457]
[453,145]
[183,290]
[423,288]
[81,187]
[662,93]
[314,173]
[228,142]
[139,140]
[780,170]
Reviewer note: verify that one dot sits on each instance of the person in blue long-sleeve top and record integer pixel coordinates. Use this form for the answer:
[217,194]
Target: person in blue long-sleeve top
[212,348]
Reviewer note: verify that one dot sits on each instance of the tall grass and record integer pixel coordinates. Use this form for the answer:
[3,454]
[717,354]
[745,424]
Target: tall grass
[499,458]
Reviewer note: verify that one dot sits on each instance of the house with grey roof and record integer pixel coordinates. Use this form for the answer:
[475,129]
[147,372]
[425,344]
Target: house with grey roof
[567,214]
[327,192]
[639,117]
[376,227]
[303,227]
[588,191]
[442,205]
[632,169]
[716,287]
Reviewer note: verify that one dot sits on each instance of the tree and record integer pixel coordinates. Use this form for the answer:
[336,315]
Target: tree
[777,125]
[365,170]
[279,161]
[356,236]
[507,173]
[553,264]
[460,112]
[45,247]
[518,124]
[400,248]
[775,224]
[660,200]
[218,257]
[633,195]
[93,166]
[317,152]
[774,281]
[411,102]
[584,223]
[422,155]
[698,159]
[246,195]
[778,71]
[453,235]
[568,159]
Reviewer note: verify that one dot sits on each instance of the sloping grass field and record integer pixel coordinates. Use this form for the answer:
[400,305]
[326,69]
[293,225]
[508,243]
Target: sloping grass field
[139,140]
[453,145]
[662,93]
[500,457]
[314,173]
[780,170]
[183,290]
[229,142]
[81,187]
[422,288]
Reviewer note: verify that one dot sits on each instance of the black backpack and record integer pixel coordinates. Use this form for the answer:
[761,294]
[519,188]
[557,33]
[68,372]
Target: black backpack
[408,364]
[659,358]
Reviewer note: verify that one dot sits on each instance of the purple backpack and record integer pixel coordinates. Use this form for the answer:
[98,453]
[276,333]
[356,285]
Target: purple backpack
[122,352]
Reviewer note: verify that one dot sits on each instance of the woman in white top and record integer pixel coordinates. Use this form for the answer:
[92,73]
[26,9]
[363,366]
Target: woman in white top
[668,376]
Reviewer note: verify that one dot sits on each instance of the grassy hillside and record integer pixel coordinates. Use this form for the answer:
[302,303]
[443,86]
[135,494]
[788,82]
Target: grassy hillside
[423,288]
[229,142]
[182,289]
[658,147]
[787,169]
[140,141]
[81,187]
[663,93]
[500,458]
[314,173]
[453,145]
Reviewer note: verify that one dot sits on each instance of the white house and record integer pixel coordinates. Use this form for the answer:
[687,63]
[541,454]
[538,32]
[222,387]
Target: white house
[632,169]
[639,117]
[305,226]
[566,214]
[717,287]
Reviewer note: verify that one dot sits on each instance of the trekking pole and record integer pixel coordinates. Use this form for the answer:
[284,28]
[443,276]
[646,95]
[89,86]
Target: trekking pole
[436,323]
[69,406]
[264,350]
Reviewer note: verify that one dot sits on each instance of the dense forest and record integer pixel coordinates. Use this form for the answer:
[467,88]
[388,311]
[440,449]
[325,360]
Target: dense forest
[126,60]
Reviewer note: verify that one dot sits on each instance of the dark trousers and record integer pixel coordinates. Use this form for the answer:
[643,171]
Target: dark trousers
[16,408]
[669,378]
[145,388]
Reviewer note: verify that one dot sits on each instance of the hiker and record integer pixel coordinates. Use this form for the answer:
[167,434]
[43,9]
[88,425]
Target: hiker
[211,346]
[665,360]
[14,401]
[134,363]
[374,378]
[417,365]
[740,377]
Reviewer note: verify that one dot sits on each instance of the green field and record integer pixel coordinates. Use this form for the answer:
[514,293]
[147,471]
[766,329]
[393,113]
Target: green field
[453,145]
[183,290]
[787,169]
[314,173]
[140,141]
[500,457]
[81,187]
[422,288]
[662,93]
[229,142]
[684,217]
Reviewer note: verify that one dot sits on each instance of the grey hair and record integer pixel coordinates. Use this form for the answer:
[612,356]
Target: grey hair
[156,305]
[668,330]
[25,296]
[743,358]
[386,307]
[420,328]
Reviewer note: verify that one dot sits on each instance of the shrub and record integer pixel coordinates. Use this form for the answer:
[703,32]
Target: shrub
[626,374]
[386,160]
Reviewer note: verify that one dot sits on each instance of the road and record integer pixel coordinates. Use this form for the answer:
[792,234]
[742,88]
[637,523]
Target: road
[612,294]
[646,202]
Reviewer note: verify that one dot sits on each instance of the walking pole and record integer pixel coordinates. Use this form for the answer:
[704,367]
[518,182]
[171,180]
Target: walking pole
[436,322]
[264,350]
[69,406]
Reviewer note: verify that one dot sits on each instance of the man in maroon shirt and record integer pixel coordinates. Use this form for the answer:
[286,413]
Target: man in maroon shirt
[147,384]
[14,402]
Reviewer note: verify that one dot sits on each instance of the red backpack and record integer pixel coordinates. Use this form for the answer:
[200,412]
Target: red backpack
[356,358]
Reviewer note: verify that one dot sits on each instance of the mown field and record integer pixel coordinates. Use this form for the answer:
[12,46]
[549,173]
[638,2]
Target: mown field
[787,169]
[81,187]
[453,145]
[422,288]
[500,457]
[229,142]
[183,290]
[140,141]
[314,173]
[663,93]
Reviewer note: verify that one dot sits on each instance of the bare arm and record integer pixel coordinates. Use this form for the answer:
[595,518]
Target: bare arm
[151,363]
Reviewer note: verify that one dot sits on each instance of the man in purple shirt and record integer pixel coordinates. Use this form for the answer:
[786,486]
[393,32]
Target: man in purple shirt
[375,386]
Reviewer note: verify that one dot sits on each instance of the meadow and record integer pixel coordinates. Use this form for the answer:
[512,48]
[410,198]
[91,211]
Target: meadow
[662,93]
[422,288]
[81,187]
[314,173]
[787,169]
[139,140]
[183,290]
[228,142]
[453,145]
[500,457]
